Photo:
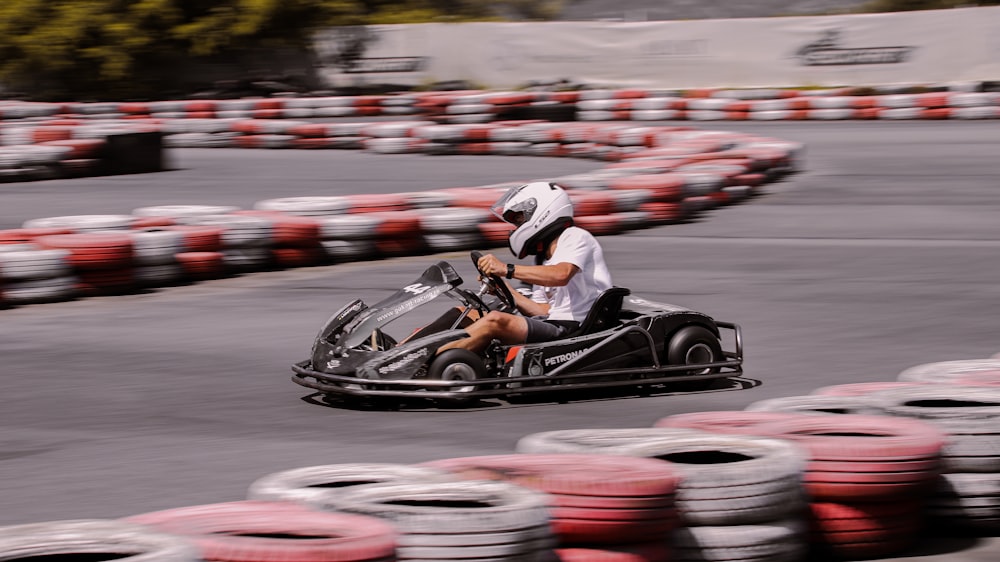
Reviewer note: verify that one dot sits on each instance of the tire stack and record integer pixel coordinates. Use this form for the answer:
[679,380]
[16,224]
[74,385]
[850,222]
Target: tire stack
[155,251]
[609,212]
[451,229]
[499,138]
[200,255]
[246,240]
[481,107]
[100,253]
[393,137]
[600,505]
[609,105]
[93,539]
[967,494]
[866,478]
[265,133]
[102,261]
[252,531]
[472,521]
[30,274]
[740,498]
[29,162]
[814,404]
[328,135]
[295,239]
[308,485]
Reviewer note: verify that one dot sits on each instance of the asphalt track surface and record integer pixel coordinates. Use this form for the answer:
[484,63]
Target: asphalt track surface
[881,255]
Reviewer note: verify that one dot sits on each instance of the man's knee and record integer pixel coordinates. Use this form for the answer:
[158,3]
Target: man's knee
[494,321]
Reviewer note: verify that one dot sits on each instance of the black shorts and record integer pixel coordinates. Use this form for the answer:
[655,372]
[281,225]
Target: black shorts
[542,330]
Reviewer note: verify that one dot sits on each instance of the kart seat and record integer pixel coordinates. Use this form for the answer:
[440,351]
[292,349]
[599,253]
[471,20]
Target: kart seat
[604,312]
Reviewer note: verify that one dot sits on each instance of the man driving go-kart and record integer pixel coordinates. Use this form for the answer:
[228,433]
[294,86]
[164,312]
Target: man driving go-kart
[574,331]
[569,275]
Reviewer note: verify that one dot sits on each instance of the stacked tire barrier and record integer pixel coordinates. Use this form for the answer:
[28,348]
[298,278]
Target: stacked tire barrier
[650,176]
[596,503]
[738,498]
[723,486]
[49,140]
[249,531]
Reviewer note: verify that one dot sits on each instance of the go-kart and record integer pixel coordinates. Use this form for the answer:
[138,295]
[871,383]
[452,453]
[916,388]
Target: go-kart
[623,341]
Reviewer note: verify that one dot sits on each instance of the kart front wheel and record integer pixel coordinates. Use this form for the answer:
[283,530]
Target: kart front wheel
[457,365]
[695,345]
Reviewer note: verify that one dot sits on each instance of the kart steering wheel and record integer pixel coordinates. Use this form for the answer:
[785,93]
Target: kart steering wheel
[495,283]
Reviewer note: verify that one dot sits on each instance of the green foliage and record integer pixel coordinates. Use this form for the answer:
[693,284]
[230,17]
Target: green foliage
[112,49]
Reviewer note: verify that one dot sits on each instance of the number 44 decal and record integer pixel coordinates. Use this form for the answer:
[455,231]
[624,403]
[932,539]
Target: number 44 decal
[416,288]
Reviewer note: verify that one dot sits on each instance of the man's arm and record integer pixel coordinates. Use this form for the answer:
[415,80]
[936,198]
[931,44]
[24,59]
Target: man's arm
[527,306]
[556,275]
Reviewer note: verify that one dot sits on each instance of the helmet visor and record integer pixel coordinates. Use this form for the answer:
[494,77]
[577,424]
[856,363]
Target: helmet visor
[516,213]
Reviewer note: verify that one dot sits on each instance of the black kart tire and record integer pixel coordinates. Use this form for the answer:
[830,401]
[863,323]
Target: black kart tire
[455,365]
[694,345]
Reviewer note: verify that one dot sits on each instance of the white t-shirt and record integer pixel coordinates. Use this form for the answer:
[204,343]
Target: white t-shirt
[573,302]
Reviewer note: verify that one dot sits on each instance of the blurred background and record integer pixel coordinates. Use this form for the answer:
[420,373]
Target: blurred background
[156,49]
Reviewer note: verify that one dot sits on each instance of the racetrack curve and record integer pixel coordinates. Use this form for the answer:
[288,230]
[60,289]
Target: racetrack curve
[880,256]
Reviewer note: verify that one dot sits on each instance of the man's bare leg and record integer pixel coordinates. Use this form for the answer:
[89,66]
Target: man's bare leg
[507,328]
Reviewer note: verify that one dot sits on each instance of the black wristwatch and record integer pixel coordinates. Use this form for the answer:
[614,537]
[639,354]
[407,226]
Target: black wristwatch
[510,271]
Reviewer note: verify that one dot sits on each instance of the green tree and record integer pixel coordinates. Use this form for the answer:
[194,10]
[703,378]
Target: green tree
[110,49]
[114,49]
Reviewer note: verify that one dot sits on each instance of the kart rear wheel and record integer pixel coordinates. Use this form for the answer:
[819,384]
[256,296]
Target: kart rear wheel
[694,345]
[457,365]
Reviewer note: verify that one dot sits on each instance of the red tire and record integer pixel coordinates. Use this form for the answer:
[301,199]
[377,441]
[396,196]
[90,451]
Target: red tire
[25,235]
[600,225]
[495,233]
[852,531]
[594,498]
[592,203]
[202,265]
[650,552]
[662,213]
[398,224]
[96,250]
[200,238]
[664,187]
[253,531]
[376,202]
[403,246]
[737,421]
[574,474]
[151,222]
[592,531]
[289,230]
[106,282]
[856,437]
[634,515]
[303,256]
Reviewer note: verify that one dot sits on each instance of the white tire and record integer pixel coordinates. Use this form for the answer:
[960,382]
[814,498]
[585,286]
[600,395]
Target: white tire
[82,223]
[309,484]
[128,542]
[306,206]
[181,211]
[34,264]
[428,508]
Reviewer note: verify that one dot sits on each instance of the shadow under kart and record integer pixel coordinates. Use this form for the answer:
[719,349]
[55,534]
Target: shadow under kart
[625,341]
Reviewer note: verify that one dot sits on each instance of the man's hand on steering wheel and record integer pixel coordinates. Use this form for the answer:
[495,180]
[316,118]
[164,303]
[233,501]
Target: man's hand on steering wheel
[492,271]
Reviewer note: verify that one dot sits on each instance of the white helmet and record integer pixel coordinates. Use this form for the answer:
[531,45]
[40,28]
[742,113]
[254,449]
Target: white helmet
[539,210]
